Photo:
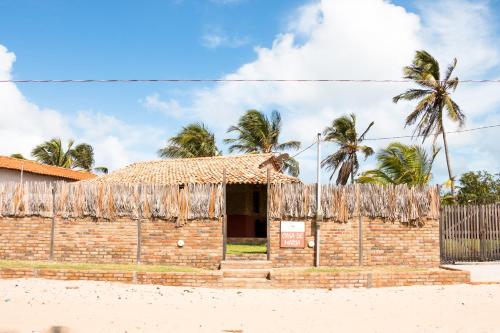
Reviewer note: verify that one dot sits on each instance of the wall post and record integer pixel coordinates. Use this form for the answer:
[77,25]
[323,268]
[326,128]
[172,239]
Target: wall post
[268,224]
[53,223]
[224,214]
[139,241]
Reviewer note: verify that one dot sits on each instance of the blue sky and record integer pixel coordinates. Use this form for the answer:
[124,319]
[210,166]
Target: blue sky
[241,38]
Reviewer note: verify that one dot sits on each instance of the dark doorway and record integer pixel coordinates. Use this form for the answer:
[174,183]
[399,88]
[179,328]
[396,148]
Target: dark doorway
[246,211]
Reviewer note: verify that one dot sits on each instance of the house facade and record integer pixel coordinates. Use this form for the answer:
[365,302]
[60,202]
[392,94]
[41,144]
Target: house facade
[19,170]
[246,177]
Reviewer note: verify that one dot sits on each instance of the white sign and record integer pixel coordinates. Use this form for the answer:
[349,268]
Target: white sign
[293,234]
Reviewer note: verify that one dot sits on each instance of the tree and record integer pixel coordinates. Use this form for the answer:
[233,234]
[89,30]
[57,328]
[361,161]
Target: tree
[343,132]
[194,140]
[18,156]
[257,133]
[479,188]
[401,164]
[433,97]
[52,152]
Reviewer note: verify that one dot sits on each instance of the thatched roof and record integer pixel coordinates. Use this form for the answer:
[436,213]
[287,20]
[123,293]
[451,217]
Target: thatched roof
[241,169]
[43,169]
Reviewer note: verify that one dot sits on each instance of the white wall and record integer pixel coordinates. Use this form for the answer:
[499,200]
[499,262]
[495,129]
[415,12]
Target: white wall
[8,175]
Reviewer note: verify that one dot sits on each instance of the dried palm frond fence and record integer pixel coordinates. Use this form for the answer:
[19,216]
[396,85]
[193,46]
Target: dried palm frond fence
[108,201]
[340,203]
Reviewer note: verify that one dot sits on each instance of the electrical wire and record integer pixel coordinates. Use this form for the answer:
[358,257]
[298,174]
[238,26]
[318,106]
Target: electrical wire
[228,80]
[401,137]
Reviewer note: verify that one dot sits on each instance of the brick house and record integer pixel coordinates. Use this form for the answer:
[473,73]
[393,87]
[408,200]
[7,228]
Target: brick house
[18,170]
[246,178]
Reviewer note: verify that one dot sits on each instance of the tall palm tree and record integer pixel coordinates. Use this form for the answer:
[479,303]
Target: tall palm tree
[343,132]
[194,140]
[401,164]
[257,133]
[433,97]
[52,152]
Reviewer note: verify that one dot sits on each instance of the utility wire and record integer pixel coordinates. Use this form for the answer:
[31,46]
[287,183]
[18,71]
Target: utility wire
[227,80]
[416,136]
[401,137]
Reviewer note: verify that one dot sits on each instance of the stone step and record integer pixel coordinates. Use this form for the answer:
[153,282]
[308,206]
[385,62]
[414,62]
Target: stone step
[251,283]
[246,264]
[246,273]
[247,256]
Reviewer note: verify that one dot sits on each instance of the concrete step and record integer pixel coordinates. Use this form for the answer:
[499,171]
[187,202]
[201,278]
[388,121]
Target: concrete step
[251,283]
[247,256]
[246,273]
[246,264]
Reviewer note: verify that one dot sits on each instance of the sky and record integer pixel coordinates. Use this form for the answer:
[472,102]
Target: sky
[239,39]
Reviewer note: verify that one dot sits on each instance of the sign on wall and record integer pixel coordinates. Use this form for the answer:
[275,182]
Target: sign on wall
[293,234]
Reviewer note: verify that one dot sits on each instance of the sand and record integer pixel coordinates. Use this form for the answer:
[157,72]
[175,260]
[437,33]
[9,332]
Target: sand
[35,305]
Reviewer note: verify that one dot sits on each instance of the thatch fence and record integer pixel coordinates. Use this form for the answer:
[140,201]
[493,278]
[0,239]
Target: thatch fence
[206,201]
[340,203]
[136,201]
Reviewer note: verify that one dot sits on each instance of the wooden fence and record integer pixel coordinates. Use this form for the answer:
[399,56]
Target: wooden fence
[470,233]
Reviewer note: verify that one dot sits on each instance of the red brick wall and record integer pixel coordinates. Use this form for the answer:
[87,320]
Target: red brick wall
[25,238]
[88,240]
[301,279]
[202,243]
[384,243]
[102,241]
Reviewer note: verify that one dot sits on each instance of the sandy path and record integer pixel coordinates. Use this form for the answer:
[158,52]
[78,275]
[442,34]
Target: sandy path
[35,305]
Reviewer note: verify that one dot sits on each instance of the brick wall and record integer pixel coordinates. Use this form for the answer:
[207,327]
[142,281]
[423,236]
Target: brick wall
[24,238]
[103,241]
[302,279]
[202,243]
[384,243]
[90,240]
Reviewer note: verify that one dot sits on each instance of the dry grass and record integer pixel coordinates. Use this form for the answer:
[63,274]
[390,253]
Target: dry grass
[100,267]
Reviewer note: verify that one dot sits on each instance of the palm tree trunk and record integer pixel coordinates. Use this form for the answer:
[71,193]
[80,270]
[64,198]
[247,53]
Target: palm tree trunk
[445,142]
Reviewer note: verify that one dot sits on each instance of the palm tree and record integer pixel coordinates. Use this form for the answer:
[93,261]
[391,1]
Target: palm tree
[81,156]
[343,132]
[433,98]
[401,164]
[52,152]
[257,133]
[194,140]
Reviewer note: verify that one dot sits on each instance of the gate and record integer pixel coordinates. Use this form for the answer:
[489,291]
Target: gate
[470,233]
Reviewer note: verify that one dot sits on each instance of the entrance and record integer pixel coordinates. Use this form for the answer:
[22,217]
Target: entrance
[246,207]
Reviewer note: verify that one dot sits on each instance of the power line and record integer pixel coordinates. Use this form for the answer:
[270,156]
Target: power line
[303,150]
[416,136]
[229,80]
[403,136]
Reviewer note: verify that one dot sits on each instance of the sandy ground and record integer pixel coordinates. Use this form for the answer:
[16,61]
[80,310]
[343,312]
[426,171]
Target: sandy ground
[480,272]
[35,305]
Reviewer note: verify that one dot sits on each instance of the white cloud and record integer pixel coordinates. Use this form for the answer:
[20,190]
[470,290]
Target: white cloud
[215,37]
[358,40]
[23,125]
[170,108]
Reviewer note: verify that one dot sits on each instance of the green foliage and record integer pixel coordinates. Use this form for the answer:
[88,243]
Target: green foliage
[52,152]
[342,131]
[18,156]
[194,140]
[257,133]
[401,164]
[479,188]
